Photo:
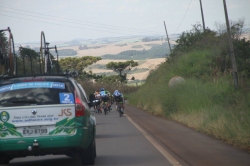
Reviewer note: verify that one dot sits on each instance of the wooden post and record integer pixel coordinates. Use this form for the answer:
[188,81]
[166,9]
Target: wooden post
[235,76]
[203,22]
[167,38]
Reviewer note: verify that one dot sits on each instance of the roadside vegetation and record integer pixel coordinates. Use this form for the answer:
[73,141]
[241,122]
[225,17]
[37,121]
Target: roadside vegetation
[207,101]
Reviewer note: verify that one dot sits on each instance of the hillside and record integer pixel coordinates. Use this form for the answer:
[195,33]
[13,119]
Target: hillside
[208,100]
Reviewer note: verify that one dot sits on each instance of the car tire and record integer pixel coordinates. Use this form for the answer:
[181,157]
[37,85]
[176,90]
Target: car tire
[89,155]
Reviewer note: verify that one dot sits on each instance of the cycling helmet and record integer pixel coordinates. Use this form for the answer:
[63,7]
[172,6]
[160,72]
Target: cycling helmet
[117,93]
[102,89]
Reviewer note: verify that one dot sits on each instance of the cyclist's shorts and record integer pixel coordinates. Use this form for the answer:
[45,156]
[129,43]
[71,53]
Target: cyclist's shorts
[118,98]
[105,98]
[96,102]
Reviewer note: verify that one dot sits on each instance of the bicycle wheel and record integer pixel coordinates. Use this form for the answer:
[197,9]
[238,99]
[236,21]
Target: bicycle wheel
[11,56]
[99,109]
[2,53]
[48,60]
[105,111]
[120,111]
[42,52]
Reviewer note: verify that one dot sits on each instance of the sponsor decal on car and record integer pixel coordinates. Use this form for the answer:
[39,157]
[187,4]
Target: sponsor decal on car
[4,116]
[25,85]
[66,125]
[7,128]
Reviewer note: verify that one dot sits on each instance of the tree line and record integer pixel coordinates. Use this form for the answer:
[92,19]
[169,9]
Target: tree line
[157,51]
[196,39]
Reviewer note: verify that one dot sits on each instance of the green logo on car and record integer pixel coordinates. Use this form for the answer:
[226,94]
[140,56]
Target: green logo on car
[4,116]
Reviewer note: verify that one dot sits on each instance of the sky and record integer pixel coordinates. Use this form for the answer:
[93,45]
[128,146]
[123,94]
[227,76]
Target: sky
[65,20]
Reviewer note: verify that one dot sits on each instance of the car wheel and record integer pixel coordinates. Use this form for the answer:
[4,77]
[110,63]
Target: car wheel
[88,156]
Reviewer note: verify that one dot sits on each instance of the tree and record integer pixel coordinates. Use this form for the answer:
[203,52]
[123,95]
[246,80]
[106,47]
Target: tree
[122,68]
[236,28]
[3,48]
[28,61]
[77,64]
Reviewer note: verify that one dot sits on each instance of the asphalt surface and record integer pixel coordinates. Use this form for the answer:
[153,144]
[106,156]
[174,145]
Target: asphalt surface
[141,139]
[187,146]
[118,142]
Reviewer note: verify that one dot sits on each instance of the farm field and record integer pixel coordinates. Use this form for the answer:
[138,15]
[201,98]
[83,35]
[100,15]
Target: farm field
[99,68]
[110,46]
[149,64]
[114,48]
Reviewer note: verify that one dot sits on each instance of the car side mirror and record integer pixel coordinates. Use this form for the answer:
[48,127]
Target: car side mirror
[91,97]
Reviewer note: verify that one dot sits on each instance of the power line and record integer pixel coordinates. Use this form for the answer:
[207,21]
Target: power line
[100,25]
[76,22]
[66,25]
[183,17]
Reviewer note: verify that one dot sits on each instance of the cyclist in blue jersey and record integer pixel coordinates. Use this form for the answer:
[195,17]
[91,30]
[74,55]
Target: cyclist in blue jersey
[118,96]
[104,99]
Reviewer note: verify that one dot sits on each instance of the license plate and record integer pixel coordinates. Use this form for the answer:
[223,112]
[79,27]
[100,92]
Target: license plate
[27,131]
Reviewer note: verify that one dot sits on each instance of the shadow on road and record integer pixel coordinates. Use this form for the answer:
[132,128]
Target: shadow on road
[109,135]
[45,160]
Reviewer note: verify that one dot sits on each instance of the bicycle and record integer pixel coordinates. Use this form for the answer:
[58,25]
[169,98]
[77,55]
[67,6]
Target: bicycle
[46,55]
[105,107]
[98,109]
[97,106]
[7,54]
[119,109]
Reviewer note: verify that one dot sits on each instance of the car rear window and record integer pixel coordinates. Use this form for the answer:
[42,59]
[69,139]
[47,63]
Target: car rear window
[36,93]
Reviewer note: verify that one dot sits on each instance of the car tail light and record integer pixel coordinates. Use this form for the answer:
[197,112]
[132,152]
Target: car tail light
[80,110]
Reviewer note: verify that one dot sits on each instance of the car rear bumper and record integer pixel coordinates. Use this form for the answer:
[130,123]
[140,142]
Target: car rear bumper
[19,147]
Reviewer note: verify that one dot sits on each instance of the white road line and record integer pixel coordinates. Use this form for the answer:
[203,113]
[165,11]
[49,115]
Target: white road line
[166,154]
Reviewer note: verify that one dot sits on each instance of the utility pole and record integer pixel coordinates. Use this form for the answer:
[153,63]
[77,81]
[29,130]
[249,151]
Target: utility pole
[235,76]
[167,37]
[202,17]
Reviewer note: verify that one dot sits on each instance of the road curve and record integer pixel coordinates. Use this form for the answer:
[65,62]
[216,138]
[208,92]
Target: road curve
[187,146]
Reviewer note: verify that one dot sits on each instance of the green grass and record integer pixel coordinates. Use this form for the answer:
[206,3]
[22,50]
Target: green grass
[203,102]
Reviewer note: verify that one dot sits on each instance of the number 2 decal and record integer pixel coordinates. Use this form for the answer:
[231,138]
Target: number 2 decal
[66,98]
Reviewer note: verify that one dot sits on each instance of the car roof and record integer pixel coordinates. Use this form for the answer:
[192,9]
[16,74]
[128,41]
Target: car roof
[10,79]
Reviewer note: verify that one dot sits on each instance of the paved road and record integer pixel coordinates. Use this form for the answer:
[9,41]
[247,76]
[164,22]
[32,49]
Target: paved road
[188,147]
[118,143]
[140,139]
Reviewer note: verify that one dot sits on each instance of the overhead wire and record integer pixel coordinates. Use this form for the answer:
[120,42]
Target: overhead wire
[96,24]
[183,17]
[66,25]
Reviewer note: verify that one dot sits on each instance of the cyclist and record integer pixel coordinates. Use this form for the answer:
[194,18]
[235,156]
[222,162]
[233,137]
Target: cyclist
[104,97]
[118,97]
[102,92]
[109,99]
[98,101]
